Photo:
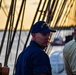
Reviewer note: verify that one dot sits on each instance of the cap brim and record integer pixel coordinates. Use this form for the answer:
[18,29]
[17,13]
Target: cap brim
[52,30]
[48,30]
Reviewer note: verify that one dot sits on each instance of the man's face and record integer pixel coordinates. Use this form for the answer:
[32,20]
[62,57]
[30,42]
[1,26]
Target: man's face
[42,39]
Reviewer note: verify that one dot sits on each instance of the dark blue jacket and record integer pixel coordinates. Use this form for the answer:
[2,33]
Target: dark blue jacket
[33,61]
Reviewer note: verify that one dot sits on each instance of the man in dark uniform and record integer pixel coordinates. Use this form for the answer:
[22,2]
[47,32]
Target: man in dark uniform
[33,60]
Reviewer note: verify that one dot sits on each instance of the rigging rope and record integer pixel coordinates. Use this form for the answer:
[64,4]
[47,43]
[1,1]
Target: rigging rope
[32,24]
[51,11]
[10,46]
[70,4]
[46,10]
[42,10]
[19,36]
[0,3]
[5,30]
[61,12]
[67,11]
[10,31]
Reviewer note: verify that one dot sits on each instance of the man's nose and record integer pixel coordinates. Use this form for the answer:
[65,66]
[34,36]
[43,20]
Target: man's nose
[47,36]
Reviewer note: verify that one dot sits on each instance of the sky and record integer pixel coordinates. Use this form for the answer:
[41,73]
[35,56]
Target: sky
[30,10]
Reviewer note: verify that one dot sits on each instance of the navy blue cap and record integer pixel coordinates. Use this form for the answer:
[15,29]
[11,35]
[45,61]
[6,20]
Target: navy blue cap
[41,27]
